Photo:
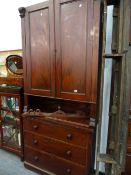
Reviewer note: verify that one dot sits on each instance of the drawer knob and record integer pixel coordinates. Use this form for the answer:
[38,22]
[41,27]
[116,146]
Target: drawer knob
[68,171]
[31,112]
[38,111]
[35,126]
[36,158]
[68,153]
[35,141]
[69,136]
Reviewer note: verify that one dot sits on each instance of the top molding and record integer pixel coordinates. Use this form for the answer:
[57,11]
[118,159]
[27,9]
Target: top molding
[22,11]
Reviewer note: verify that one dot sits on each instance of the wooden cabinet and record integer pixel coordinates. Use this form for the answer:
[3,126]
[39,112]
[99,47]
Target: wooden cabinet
[60,49]
[10,119]
[59,146]
[61,43]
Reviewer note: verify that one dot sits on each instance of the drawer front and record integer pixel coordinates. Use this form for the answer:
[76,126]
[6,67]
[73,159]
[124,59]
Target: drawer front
[67,134]
[53,164]
[66,151]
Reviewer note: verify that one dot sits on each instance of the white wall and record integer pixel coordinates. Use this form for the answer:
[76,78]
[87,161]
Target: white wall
[10,23]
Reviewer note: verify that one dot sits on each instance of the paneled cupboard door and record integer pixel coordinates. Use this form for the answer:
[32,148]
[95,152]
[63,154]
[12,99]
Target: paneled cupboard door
[39,49]
[76,62]
[61,49]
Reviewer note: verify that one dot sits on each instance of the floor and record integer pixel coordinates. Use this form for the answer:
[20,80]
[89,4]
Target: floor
[11,164]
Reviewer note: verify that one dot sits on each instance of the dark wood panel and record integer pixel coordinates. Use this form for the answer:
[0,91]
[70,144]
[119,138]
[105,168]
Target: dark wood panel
[39,41]
[53,164]
[73,50]
[76,60]
[40,49]
[55,147]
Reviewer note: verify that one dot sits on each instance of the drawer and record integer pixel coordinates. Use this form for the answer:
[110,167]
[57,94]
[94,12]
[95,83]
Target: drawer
[67,134]
[66,151]
[53,164]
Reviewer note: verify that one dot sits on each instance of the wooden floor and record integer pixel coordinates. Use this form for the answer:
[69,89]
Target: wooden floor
[11,164]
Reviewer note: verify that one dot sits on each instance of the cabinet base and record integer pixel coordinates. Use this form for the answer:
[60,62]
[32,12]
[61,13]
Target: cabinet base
[36,169]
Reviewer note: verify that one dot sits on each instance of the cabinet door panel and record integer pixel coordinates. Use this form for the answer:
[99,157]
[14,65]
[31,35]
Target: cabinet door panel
[73,68]
[40,49]
[74,46]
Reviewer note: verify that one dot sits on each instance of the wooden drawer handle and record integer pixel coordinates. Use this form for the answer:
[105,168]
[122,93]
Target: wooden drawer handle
[128,154]
[68,153]
[35,141]
[68,171]
[30,111]
[35,126]
[36,158]
[38,111]
[69,136]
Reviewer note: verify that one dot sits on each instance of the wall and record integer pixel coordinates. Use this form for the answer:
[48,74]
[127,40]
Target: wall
[10,23]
